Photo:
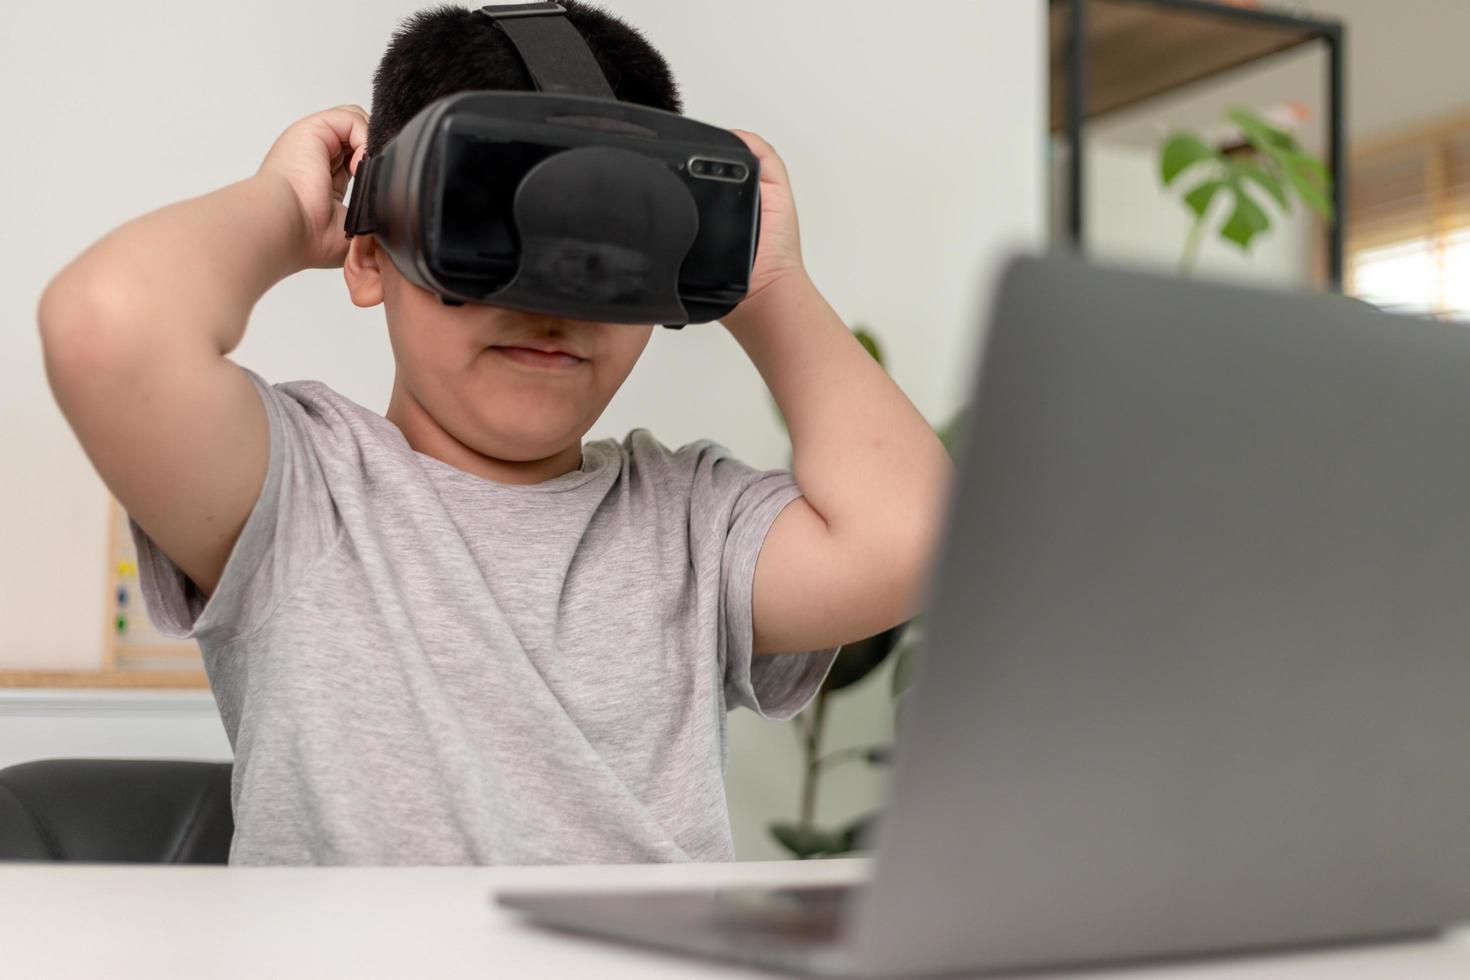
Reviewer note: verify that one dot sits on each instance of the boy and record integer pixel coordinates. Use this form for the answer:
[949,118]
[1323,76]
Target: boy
[454,633]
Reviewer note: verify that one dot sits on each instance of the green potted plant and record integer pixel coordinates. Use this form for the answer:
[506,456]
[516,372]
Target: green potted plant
[855,661]
[1270,161]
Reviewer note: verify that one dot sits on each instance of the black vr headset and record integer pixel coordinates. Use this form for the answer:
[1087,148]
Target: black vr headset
[564,200]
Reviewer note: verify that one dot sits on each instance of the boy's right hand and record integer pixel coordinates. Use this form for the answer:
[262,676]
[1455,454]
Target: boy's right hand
[315,156]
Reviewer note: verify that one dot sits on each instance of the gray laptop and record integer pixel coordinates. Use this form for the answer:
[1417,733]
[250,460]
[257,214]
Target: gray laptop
[1195,677]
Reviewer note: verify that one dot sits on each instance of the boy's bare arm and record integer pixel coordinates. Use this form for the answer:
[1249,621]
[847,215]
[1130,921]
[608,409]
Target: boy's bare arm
[184,276]
[135,331]
[848,559]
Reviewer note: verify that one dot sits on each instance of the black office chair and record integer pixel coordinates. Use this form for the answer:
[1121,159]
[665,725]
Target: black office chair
[111,810]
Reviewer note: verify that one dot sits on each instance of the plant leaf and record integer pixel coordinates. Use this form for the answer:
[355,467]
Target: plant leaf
[858,834]
[1199,199]
[1309,178]
[1267,139]
[805,842]
[1316,169]
[1252,171]
[1180,152]
[1245,221]
[869,341]
[903,668]
[859,659]
[950,432]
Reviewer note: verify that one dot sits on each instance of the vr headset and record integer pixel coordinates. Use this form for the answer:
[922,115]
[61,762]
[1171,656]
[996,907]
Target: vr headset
[566,200]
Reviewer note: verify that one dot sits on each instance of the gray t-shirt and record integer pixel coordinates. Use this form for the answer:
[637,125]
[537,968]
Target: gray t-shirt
[415,665]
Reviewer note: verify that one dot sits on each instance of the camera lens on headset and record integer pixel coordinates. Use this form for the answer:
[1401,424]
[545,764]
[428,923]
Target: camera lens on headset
[718,169]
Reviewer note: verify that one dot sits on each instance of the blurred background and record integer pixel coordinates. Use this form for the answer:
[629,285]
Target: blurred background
[922,149]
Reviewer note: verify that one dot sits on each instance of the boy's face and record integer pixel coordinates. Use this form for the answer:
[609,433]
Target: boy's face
[447,362]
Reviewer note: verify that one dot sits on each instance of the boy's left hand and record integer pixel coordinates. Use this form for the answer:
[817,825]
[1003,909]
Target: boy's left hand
[778,252]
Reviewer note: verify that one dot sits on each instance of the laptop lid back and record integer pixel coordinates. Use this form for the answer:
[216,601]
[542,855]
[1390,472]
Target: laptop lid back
[1196,666]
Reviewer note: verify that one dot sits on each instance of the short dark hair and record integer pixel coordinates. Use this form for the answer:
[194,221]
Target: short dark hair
[448,48]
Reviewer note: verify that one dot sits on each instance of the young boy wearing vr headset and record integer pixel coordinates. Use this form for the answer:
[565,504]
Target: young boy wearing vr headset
[455,633]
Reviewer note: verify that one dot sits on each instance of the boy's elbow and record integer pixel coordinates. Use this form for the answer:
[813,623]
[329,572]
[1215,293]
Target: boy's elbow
[49,308]
[893,592]
[65,306]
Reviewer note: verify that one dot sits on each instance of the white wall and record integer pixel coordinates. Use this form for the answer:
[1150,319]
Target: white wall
[54,724]
[1405,61]
[915,157]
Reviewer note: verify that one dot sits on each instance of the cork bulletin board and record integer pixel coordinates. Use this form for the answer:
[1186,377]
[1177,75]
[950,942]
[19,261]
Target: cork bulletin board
[132,639]
[134,653]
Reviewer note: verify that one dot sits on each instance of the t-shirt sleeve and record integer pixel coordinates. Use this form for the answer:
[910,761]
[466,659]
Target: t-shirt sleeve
[292,525]
[732,506]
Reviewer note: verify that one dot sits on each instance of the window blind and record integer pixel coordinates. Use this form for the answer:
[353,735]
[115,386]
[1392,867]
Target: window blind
[1409,222]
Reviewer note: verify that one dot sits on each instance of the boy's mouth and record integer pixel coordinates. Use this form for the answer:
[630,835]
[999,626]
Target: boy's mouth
[532,357]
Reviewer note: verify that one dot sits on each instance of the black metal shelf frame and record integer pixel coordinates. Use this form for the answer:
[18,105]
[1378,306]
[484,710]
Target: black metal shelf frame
[1331,33]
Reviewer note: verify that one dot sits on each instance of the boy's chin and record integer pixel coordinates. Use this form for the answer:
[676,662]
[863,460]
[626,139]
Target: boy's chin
[524,418]
[528,444]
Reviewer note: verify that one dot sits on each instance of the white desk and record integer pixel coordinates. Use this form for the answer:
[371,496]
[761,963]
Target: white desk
[156,922]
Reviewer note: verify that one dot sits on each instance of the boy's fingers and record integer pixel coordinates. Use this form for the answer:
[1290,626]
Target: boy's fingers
[757,143]
[769,159]
[349,124]
[355,110]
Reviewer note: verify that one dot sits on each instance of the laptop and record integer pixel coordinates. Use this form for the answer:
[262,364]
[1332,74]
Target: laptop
[1195,672]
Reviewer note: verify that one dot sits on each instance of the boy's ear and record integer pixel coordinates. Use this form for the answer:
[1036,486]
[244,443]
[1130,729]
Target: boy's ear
[363,270]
